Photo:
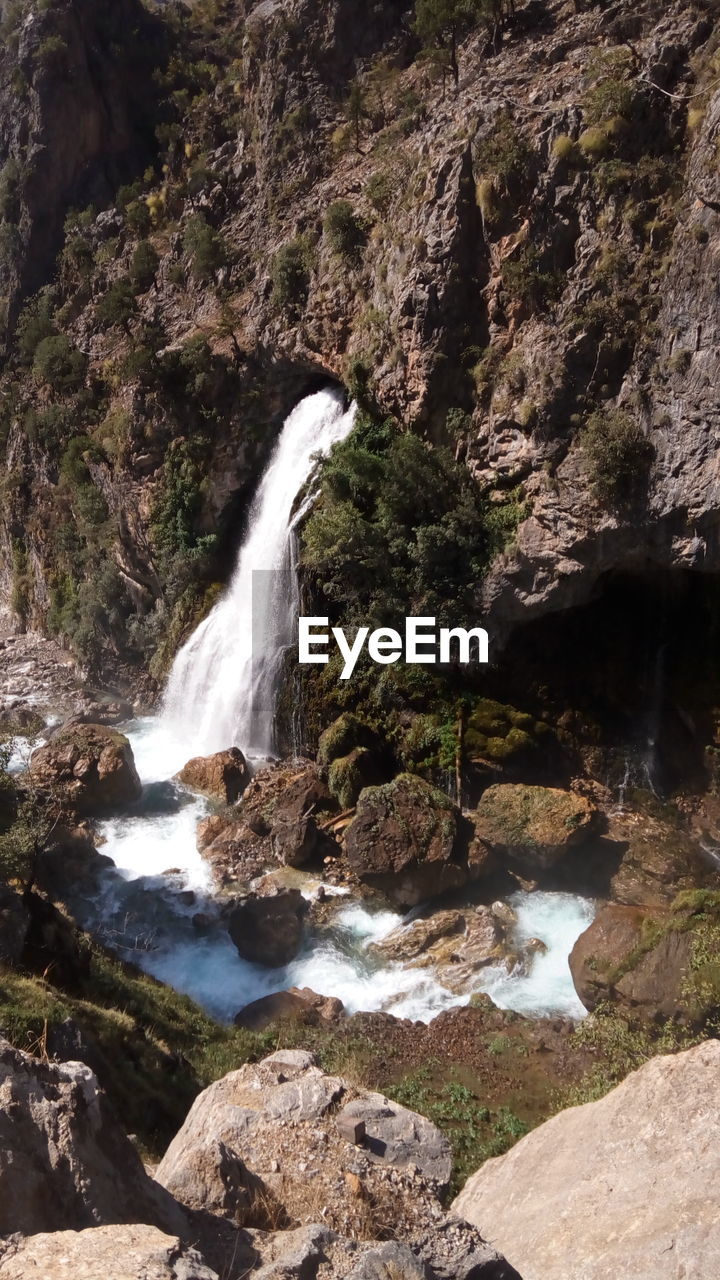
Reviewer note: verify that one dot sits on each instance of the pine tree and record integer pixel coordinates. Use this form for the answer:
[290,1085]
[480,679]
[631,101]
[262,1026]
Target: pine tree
[441,23]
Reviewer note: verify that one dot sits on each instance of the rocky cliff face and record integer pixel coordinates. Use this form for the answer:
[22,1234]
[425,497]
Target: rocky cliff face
[523,269]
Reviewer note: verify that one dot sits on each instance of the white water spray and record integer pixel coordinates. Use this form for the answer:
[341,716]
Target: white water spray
[223,683]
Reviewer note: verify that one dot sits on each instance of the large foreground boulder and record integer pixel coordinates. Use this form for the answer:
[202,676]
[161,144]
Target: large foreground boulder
[89,768]
[222,776]
[273,1133]
[627,1186]
[534,825]
[403,840]
[134,1252]
[65,1162]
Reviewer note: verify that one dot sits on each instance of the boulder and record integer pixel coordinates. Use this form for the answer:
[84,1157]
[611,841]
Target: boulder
[601,950]
[348,775]
[277,1120]
[658,861]
[65,1162]
[399,1137]
[269,929]
[658,965]
[295,1005]
[222,776]
[14,925]
[230,1126]
[70,863]
[626,1186]
[284,799]
[457,945]
[535,825]
[134,1252]
[402,841]
[89,768]
[296,843]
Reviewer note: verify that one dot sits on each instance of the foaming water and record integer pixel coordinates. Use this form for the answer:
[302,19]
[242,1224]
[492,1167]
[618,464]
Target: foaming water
[222,687]
[557,919]
[145,909]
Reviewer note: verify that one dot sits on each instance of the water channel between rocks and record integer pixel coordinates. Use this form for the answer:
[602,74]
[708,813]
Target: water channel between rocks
[147,908]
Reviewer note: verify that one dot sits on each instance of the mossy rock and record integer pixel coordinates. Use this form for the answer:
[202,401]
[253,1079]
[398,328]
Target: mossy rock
[535,825]
[89,768]
[660,966]
[348,775]
[503,733]
[343,736]
[403,841]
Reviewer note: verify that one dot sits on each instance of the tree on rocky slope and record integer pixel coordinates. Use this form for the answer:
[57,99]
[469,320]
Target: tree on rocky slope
[440,24]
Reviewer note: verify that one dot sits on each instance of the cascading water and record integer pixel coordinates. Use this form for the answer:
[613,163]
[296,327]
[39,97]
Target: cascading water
[222,686]
[157,905]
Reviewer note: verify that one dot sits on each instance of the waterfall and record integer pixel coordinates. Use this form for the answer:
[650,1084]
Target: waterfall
[223,684]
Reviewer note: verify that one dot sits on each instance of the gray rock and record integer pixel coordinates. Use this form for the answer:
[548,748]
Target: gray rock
[269,929]
[65,1162]
[136,1252]
[206,1164]
[399,1137]
[627,1186]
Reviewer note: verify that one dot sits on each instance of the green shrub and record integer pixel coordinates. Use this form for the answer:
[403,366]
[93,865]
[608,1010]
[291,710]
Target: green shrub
[35,323]
[138,217]
[380,190]
[617,453]
[290,275]
[52,54]
[143,267]
[344,230]
[59,364]
[400,529]
[117,305]
[504,154]
[563,148]
[204,246]
[10,176]
[594,142]
[524,278]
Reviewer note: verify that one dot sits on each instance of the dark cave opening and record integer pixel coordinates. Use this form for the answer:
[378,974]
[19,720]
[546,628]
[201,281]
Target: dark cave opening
[634,670]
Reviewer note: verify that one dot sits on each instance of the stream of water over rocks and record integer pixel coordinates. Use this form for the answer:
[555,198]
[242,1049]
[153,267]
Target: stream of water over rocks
[158,909]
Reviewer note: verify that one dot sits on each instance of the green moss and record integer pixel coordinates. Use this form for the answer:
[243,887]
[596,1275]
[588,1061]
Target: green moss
[501,732]
[348,775]
[342,736]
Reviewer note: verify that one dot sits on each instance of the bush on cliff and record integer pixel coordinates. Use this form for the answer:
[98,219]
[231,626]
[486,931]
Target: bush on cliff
[400,530]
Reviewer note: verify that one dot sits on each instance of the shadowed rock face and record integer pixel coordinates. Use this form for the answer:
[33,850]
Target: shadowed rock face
[580,1195]
[65,1162]
[83,126]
